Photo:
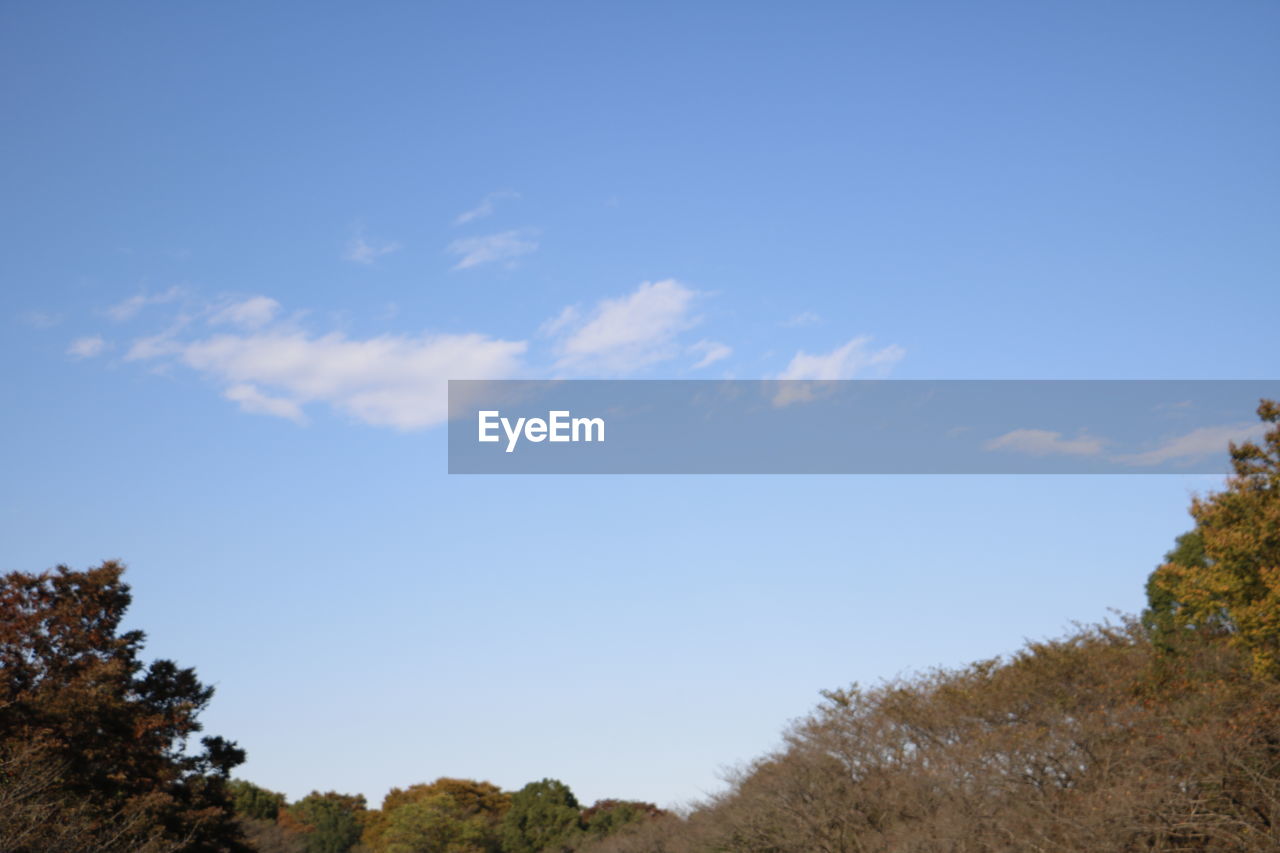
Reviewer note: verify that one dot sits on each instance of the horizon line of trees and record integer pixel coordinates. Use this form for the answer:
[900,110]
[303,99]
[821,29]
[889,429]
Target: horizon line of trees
[1159,733]
[448,815]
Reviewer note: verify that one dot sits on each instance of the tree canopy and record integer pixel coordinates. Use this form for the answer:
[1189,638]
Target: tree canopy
[542,813]
[1223,578]
[111,733]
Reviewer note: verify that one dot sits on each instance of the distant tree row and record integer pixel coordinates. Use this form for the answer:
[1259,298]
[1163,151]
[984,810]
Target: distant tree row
[444,816]
[98,754]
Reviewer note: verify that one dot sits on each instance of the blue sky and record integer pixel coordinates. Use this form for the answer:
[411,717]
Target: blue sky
[245,247]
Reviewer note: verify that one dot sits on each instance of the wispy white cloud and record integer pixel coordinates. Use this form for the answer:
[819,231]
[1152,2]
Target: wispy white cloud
[88,347]
[712,351]
[485,207]
[567,317]
[251,313]
[252,400]
[39,319]
[844,362]
[808,373]
[397,381]
[161,344]
[505,246]
[1196,444]
[1041,442]
[129,308]
[361,251]
[628,333]
[804,318]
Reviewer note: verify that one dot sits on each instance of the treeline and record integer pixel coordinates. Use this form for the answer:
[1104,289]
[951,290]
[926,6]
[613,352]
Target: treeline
[1098,742]
[445,816]
[1157,734]
[1160,733]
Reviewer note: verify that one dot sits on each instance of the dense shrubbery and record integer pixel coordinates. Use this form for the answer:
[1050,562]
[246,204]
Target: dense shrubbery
[1158,734]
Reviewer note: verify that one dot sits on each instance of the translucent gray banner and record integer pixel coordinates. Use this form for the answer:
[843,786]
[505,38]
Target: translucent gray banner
[850,426]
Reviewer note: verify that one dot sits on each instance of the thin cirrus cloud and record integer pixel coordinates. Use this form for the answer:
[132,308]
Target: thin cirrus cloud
[807,372]
[251,313]
[252,400]
[36,319]
[1189,447]
[361,251]
[1043,442]
[844,362]
[503,247]
[87,347]
[129,308]
[1194,445]
[485,208]
[711,352]
[804,318]
[625,334]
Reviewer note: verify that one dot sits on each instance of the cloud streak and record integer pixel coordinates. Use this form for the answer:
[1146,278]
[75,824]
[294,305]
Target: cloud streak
[90,347]
[39,319]
[1194,445]
[493,248]
[129,308]
[251,313]
[712,351]
[625,334]
[843,362]
[361,251]
[1041,442]
[485,208]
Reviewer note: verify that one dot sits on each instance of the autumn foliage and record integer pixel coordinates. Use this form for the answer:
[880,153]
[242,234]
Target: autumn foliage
[1224,578]
[94,745]
[1156,734]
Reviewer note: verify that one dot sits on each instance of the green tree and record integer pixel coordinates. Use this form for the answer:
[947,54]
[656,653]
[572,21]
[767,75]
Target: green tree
[453,815]
[542,814]
[116,732]
[1223,578]
[436,824]
[330,822]
[252,801]
[605,817]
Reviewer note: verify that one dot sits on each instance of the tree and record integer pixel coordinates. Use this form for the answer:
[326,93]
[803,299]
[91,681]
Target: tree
[1094,742]
[1223,578]
[114,733]
[445,816]
[605,817]
[542,814]
[251,801]
[330,822]
[436,824]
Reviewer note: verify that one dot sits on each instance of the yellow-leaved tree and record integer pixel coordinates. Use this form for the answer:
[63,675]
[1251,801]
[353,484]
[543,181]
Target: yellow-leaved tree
[1224,576]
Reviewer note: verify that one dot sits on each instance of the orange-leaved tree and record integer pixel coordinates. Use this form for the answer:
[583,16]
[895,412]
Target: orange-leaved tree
[106,736]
